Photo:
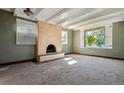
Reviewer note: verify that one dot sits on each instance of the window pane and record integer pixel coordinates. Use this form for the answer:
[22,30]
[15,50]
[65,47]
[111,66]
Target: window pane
[64,37]
[26,32]
[95,37]
[108,41]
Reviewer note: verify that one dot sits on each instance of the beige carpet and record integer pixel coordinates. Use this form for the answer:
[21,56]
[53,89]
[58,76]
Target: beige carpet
[73,69]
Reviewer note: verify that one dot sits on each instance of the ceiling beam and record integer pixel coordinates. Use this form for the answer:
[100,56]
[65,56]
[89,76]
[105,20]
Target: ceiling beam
[82,17]
[70,18]
[36,12]
[96,20]
[58,14]
[93,14]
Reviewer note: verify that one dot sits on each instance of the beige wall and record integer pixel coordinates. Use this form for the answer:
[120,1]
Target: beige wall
[48,34]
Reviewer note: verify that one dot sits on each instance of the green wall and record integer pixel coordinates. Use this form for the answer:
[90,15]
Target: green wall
[118,43]
[9,51]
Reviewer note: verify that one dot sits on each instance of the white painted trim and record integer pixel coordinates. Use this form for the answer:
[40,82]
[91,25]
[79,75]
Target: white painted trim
[76,20]
[112,18]
[36,12]
[58,14]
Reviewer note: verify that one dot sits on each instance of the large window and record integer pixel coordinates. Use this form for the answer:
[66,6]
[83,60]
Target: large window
[94,38]
[64,37]
[26,32]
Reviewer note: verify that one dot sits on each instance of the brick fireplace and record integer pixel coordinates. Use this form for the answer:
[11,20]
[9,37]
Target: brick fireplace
[49,45]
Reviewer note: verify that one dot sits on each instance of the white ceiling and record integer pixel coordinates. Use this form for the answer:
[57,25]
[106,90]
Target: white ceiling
[70,17]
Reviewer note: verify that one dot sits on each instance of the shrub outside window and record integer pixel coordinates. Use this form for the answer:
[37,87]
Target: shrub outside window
[94,38]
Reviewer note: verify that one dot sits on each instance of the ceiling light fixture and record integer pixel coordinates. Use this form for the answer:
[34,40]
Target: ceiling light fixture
[28,12]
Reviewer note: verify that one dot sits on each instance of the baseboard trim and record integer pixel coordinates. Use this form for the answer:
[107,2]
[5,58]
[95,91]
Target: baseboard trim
[22,61]
[100,56]
[68,53]
[17,62]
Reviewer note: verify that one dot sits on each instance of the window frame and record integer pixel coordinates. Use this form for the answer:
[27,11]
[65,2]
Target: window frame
[89,30]
[24,22]
[66,42]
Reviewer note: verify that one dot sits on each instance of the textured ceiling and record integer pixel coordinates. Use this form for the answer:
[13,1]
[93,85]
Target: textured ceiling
[69,17]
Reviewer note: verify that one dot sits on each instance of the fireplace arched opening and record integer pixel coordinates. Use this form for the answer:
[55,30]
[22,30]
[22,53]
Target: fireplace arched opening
[51,48]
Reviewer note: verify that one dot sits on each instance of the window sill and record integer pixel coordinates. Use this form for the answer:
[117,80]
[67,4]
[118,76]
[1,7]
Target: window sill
[96,47]
[65,44]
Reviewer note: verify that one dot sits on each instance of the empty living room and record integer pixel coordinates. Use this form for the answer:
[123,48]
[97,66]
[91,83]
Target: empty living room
[62,46]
